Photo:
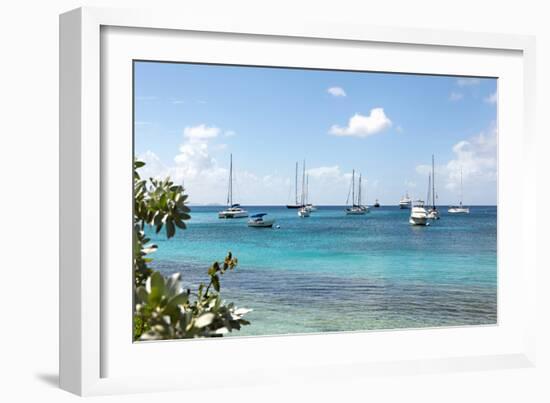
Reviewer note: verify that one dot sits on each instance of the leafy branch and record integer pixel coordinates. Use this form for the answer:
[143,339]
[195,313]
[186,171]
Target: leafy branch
[163,308]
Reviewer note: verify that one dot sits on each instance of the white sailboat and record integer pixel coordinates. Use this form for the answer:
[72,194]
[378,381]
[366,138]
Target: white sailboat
[310,207]
[296,204]
[433,214]
[419,215]
[303,212]
[355,208]
[460,209]
[233,210]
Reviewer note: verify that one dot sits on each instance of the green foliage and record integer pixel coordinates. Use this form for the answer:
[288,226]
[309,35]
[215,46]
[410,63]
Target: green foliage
[163,309]
[160,204]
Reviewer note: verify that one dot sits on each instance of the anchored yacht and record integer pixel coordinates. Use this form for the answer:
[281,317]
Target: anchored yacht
[419,215]
[233,210]
[460,209]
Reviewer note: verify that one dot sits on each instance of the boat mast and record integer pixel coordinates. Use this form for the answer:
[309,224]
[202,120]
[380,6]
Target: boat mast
[461,186]
[353,188]
[230,192]
[307,189]
[359,191]
[304,185]
[428,196]
[433,182]
[296,185]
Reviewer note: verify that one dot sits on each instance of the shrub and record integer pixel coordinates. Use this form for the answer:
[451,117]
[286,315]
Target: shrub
[163,308]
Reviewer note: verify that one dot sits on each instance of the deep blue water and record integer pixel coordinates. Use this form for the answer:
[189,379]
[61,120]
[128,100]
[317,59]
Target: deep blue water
[332,272]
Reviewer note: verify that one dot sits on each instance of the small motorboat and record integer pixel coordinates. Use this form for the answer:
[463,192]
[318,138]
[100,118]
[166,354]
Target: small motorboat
[376,204]
[258,221]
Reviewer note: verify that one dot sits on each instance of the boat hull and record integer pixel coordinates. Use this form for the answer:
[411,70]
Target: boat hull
[356,211]
[419,216]
[459,210]
[418,220]
[261,224]
[294,206]
[232,214]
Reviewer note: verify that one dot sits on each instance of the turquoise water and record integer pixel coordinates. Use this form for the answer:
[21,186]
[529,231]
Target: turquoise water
[332,272]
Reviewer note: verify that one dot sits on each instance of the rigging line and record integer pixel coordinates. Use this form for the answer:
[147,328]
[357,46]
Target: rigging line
[349,193]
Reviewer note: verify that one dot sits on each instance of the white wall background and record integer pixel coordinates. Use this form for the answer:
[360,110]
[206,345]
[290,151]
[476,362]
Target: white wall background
[29,168]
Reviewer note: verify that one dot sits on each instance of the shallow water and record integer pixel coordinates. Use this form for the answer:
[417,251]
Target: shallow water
[332,272]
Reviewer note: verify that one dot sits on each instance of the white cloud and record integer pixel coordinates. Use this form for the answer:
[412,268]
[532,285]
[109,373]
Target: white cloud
[476,157]
[456,96]
[201,132]
[154,168]
[193,166]
[410,184]
[492,99]
[337,91]
[467,81]
[332,172]
[363,126]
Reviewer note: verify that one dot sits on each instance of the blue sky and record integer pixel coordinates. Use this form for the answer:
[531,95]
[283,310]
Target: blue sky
[189,118]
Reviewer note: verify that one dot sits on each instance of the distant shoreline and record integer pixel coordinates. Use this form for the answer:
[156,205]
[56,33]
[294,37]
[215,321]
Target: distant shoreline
[334,205]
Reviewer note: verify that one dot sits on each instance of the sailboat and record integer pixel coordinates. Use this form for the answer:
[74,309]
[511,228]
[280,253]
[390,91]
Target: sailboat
[303,212]
[432,212]
[376,204]
[295,205]
[310,207]
[460,209]
[356,209]
[233,210]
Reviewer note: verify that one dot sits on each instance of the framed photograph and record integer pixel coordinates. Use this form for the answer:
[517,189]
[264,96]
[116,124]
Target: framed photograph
[316,199]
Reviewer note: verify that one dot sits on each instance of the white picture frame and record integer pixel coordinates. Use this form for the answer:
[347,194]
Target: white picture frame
[97,357]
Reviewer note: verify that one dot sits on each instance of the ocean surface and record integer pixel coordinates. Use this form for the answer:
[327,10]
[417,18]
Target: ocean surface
[332,272]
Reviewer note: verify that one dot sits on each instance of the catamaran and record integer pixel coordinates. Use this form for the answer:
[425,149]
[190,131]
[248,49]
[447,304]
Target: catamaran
[405,202]
[296,204]
[233,210]
[356,208]
[460,209]
[303,212]
[419,215]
